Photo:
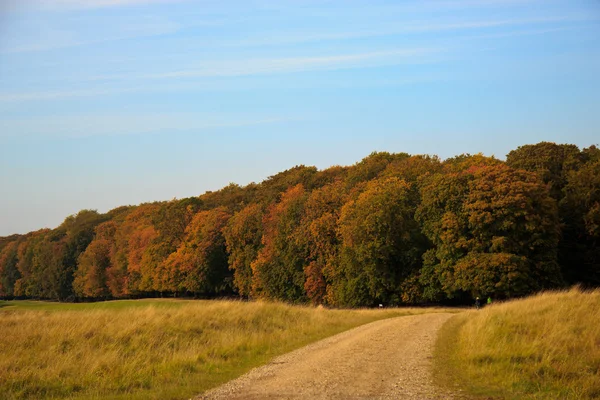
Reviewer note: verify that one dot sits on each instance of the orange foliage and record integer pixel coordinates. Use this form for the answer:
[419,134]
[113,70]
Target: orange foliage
[200,262]
[277,271]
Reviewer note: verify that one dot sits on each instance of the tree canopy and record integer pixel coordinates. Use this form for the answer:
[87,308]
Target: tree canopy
[392,228]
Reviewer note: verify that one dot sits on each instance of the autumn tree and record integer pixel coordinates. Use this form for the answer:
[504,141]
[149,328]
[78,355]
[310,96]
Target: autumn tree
[53,275]
[278,271]
[233,197]
[330,176]
[391,228]
[269,190]
[58,255]
[581,207]
[551,161]
[95,262]
[243,234]
[557,164]
[467,161]
[132,237]
[200,262]
[413,168]
[381,245]
[28,283]
[371,166]
[494,230]
[318,234]
[170,222]
[9,274]
[48,259]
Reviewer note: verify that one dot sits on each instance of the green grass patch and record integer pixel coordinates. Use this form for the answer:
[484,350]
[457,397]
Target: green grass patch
[153,349]
[543,347]
[101,305]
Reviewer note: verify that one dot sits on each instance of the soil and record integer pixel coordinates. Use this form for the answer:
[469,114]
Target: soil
[388,359]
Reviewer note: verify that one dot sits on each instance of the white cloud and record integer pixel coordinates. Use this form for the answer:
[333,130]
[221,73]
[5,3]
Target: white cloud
[529,32]
[199,86]
[52,37]
[123,124]
[59,5]
[299,64]
[61,94]
[413,28]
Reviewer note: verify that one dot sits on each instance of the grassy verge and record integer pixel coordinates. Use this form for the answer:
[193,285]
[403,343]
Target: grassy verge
[152,349]
[543,347]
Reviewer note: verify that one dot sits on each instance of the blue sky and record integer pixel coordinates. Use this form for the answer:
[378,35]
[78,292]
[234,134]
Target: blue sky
[112,102]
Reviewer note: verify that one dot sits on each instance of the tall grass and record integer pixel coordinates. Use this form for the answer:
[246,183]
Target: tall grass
[543,347]
[152,349]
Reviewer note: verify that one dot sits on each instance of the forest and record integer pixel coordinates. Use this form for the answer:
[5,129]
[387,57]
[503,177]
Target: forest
[391,229]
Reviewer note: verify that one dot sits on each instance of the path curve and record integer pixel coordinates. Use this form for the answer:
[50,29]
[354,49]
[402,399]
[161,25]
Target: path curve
[387,359]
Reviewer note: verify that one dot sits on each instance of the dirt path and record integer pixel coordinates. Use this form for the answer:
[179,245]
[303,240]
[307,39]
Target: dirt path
[389,359]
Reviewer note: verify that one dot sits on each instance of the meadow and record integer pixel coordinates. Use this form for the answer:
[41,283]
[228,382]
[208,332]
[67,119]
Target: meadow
[543,347]
[151,349]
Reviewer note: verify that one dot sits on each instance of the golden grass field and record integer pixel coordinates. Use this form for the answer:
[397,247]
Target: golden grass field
[151,349]
[542,347]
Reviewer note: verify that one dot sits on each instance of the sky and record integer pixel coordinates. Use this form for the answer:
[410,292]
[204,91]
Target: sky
[113,102]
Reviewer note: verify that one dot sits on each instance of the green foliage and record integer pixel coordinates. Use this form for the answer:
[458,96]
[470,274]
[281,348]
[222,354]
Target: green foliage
[232,196]
[466,162]
[29,284]
[393,228]
[414,168]
[172,218]
[90,278]
[381,244]
[318,233]
[243,235]
[551,161]
[495,232]
[9,273]
[278,269]
[79,232]
[581,206]
[200,263]
[271,188]
[370,167]
[573,182]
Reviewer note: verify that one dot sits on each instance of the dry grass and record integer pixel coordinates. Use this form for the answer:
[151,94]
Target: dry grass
[152,349]
[543,347]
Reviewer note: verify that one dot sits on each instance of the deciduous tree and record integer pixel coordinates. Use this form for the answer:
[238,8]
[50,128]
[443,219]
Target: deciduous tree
[278,271]
[243,235]
[201,260]
[495,231]
[381,245]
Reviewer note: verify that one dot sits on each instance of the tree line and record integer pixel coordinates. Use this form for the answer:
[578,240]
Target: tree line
[392,229]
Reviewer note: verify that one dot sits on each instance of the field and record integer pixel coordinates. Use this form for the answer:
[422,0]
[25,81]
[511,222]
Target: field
[150,349]
[543,347]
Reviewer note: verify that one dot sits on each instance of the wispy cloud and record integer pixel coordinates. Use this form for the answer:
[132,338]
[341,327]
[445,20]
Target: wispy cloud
[322,7]
[528,32]
[61,94]
[115,29]
[124,124]
[60,5]
[446,26]
[265,66]
[203,86]
[479,3]
[410,28]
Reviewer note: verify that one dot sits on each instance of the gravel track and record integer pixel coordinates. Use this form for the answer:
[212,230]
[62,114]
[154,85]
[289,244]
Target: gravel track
[388,359]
